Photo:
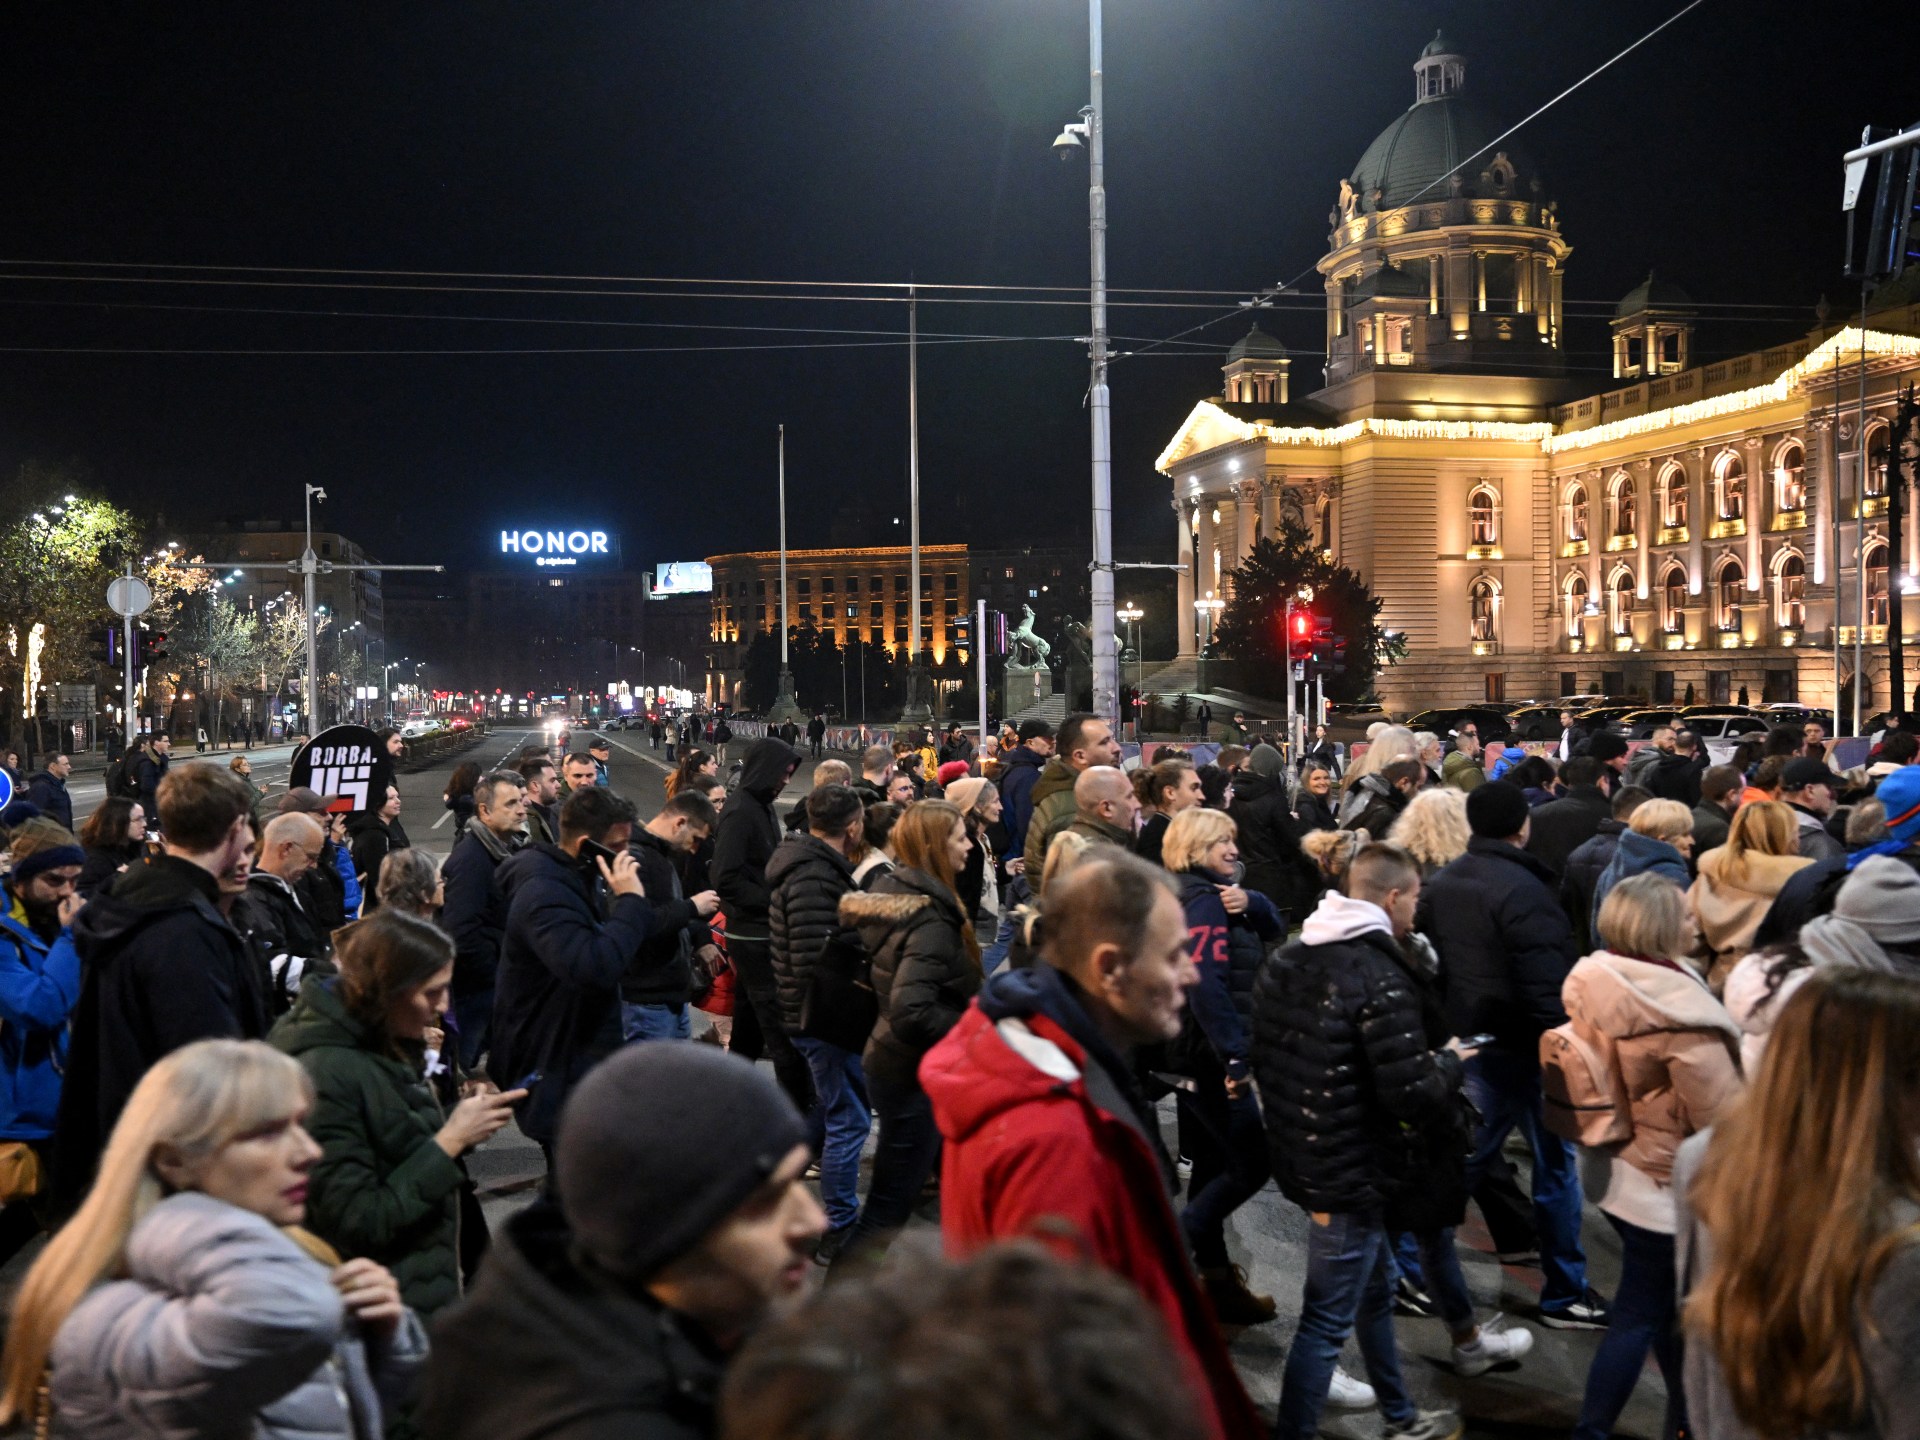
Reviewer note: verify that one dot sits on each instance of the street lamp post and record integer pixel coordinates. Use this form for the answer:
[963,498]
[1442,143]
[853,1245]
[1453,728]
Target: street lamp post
[1092,129]
[1132,614]
[1209,606]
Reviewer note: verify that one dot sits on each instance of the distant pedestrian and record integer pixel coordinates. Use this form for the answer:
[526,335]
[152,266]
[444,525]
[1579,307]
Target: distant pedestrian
[543,799]
[816,733]
[48,789]
[459,795]
[600,750]
[150,769]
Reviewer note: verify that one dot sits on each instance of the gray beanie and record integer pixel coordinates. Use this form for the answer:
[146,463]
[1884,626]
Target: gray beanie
[1266,761]
[1882,897]
[659,1144]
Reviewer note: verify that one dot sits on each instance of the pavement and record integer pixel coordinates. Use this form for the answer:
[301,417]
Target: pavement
[1538,1397]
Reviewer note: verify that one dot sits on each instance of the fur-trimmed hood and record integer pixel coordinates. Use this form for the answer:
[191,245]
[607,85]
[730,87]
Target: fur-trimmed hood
[863,907]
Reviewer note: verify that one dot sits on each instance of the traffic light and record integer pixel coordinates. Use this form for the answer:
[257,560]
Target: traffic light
[1329,647]
[107,652]
[153,647]
[1300,638]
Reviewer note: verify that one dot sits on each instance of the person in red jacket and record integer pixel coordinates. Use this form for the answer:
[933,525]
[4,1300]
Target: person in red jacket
[1048,1135]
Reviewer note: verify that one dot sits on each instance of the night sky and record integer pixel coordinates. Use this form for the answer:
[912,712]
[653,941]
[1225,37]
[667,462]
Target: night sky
[814,141]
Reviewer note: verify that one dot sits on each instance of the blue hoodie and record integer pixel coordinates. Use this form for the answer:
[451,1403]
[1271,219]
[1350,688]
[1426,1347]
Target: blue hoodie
[39,986]
[1637,854]
[1018,771]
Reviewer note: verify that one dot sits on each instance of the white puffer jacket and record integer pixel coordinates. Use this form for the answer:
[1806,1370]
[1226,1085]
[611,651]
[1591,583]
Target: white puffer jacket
[223,1329]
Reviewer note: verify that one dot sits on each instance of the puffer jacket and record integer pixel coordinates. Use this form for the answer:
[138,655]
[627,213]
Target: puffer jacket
[1053,811]
[923,972]
[383,1189]
[1227,950]
[1731,901]
[1675,1048]
[1270,843]
[1371,805]
[808,877]
[1637,854]
[223,1326]
[39,986]
[1581,878]
[1341,1057]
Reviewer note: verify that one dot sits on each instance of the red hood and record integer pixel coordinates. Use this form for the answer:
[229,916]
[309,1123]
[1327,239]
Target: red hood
[973,1075]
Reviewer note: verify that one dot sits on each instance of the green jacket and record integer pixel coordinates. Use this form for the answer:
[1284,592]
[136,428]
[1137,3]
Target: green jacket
[1462,772]
[383,1189]
[1053,811]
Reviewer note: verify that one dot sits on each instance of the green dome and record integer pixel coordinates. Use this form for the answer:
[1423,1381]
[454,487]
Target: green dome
[1652,294]
[1256,344]
[1439,45]
[1425,145]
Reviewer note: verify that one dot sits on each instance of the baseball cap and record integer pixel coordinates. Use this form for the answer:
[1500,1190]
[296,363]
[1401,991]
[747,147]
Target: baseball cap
[1806,771]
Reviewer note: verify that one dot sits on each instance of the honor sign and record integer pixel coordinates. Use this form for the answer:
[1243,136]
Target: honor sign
[558,547]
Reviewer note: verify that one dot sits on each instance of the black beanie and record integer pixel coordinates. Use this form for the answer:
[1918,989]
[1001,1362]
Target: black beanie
[659,1144]
[1496,810]
[1606,746]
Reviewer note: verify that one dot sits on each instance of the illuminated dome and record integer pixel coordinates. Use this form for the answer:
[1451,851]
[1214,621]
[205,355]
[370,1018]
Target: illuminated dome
[1256,344]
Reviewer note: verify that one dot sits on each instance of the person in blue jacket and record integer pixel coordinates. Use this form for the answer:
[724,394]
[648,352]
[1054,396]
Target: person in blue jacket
[39,986]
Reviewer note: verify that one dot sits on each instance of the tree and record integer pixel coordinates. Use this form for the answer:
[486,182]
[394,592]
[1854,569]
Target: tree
[221,642]
[1252,627]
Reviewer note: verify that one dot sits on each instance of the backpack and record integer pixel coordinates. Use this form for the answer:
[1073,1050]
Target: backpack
[120,780]
[1585,1099]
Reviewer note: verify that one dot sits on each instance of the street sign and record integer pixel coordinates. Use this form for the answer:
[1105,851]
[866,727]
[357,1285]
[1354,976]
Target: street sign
[347,763]
[73,702]
[127,595]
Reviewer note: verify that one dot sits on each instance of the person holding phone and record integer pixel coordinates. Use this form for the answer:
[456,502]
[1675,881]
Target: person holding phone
[577,917]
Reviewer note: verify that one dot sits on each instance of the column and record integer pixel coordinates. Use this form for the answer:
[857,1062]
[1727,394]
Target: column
[1823,471]
[1759,512]
[1543,295]
[1700,516]
[1644,506]
[1203,574]
[1459,292]
[1270,498]
[1246,499]
[1184,592]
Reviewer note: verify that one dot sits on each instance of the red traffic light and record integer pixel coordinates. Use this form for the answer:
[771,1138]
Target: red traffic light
[1302,626]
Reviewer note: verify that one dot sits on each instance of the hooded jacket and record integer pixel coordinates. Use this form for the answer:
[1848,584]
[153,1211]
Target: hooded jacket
[1270,842]
[556,1006]
[662,969]
[1048,1138]
[1675,1052]
[371,840]
[1019,770]
[162,968]
[1462,771]
[748,834]
[1504,942]
[1341,1054]
[39,985]
[223,1325]
[1731,902]
[1636,854]
[923,972]
[1371,805]
[1053,811]
[475,910]
[1676,777]
[544,1350]
[1581,878]
[808,877]
[382,1188]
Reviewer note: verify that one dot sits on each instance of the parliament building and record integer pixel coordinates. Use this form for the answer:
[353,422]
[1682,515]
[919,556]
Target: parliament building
[1694,528]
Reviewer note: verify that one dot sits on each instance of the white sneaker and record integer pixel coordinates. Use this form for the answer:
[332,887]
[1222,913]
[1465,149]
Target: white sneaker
[1347,1393]
[1494,1345]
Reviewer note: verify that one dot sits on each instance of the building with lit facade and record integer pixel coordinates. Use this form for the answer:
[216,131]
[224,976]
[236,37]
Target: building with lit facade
[1694,528]
[353,600]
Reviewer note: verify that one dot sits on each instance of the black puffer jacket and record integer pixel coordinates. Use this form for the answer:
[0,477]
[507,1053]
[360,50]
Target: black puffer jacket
[1584,868]
[1270,843]
[923,972]
[1341,1056]
[1505,944]
[1562,826]
[808,877]
[747,836]
[661,971]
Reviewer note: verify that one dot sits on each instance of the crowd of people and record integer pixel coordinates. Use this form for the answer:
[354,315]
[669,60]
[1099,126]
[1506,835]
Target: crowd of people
[250,1045]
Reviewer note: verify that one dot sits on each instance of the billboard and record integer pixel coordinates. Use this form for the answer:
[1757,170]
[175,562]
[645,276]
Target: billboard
[683,577]
[548,546]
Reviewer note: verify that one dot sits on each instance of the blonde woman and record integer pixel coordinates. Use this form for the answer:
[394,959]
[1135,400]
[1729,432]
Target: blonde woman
[1658,841]
[1433,828]
[1741,879]
[180,1302]
[1799,1226]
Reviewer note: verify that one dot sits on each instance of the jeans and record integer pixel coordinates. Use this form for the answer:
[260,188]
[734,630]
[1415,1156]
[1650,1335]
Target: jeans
[995,955]
[1244,1150]
[909,1149]
[840,1091]
[1645,1317]
[473,1019]
[655,1022]
[1505,1088]
[1348,1288]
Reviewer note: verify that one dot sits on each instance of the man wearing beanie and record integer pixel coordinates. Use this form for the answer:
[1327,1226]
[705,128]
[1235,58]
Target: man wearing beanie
[1811,892]
[679,1221]
[39,984]
[1269,836]
[1506,948]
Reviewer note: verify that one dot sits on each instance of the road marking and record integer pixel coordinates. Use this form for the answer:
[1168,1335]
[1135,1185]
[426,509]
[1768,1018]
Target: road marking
[638,754]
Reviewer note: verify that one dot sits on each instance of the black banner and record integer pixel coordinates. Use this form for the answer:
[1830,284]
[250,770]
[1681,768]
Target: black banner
[348,764]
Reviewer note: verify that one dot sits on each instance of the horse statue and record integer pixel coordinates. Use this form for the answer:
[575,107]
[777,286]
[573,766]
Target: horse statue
[1024,640]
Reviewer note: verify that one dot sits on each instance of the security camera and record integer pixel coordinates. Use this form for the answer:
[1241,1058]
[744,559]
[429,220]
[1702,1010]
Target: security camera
[1068,145]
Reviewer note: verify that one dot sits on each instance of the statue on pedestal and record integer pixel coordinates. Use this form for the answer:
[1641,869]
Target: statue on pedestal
[1026,651]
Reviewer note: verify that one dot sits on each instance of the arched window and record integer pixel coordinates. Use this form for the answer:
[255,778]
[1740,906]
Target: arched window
[1622,508]
[1790,592]
[1877,583]
[1575,605]
[1483,516]
[1790,477]
[1576,517]
[1673,600]
[1728,590]
[1673,498]
[1730,487]
[1620,598]
[1483,604]
[1877,460]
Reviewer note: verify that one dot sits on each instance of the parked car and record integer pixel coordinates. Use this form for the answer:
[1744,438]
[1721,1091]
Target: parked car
[1796,714]
[1601,716]
[1490,723]
[1874,725]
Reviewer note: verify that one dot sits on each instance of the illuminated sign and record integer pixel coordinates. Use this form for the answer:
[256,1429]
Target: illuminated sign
[557,547]
[683,577]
